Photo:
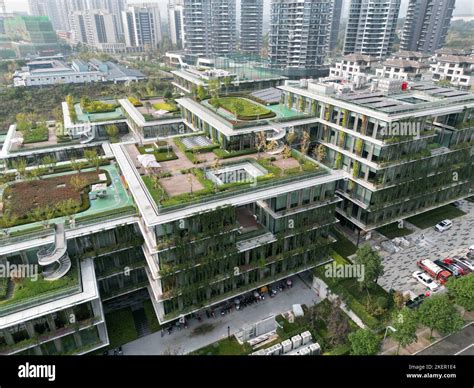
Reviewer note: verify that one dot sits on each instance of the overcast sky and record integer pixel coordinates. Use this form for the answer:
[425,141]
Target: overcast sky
[463,7]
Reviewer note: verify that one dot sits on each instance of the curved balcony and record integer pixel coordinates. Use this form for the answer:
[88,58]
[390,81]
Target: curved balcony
[59,271]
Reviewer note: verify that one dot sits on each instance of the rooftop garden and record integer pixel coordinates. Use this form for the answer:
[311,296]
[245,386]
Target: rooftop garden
[95,106]
[169,188]
[162,152]
[42,197]
[242,108]
[31,128]
[30,287]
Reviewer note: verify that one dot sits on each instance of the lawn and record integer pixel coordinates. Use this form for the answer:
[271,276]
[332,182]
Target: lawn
[242,108]
[343,246]
[23,199]
[432,217]
[120,327]
[166,105]
[225,347]
[30,287]
[393,230]
[91,106]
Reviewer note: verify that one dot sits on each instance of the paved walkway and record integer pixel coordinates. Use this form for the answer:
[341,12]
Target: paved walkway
[184,341]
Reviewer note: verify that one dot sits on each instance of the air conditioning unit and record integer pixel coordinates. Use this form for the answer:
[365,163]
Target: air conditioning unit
[296,340]
[306,337]
[315,349]
[305,352]
[287,345]
[278,349]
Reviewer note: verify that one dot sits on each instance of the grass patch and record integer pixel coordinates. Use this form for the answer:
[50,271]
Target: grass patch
[162,154]
[120,327]
[94,106]
[344,246]
[392,231]
[223,154]
[36,134]
[225,347]
[25,288]
[168,106]
[242,108]
[432,217]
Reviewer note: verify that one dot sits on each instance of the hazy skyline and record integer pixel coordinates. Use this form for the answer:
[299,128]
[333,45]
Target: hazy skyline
[463,7]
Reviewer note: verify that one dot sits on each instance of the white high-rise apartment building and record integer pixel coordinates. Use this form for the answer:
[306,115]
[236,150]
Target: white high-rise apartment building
[371,27]
[94,28]
[142,25]
[176,22]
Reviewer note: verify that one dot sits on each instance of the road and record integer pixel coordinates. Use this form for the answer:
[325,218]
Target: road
[460,343]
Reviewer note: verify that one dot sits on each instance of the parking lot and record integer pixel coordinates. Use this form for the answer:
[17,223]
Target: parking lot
[427,244]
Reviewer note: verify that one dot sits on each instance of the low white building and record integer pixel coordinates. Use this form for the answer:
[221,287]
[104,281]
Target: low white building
[456,69]
[353,65]
[403,69]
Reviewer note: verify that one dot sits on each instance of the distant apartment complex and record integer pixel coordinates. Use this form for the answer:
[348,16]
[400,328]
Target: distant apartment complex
[335,24]
[371,27]
[142,25]
[95,28]
[299,35]
[210,27]
[426,25]
[251,26]
[353,65]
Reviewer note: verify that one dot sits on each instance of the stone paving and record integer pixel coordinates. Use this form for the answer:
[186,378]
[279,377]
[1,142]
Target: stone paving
[185,341]
[427,244]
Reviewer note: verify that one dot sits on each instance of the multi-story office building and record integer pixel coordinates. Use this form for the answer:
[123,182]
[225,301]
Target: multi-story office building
[199,231]
[142,25]
[426,25]
[299,35]
[210,27]
[371,27]
[176,22]
[251,26]
[335,24]
[402,153]
[95,28]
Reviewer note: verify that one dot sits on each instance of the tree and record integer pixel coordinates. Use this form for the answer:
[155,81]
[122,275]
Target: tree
[78,182]
[364,343]
[371,262]
[190,181]
[147,106]
[338,324]
[399,299]
[227,82]
[260,142]
[305,141]
[112,131]
[271,145]
[462,291]
[290,137]
[77,165]
[93,158]
[20,166]
[405,323]
[214,86]
[201,92]
[50,162]
[286,154]
[320,152]
[438,313]
[168,94]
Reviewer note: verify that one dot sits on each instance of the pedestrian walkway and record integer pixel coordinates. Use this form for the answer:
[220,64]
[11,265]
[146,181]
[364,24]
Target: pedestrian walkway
[186,340]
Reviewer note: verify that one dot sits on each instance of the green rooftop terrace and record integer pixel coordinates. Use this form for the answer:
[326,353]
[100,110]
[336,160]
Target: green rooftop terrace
[97,110]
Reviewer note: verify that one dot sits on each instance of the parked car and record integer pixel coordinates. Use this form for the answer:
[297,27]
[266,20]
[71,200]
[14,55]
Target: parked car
[415,303]
[448,265]
[462,269]
[443,225]
[425,280]
[470,253]
[465,262]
